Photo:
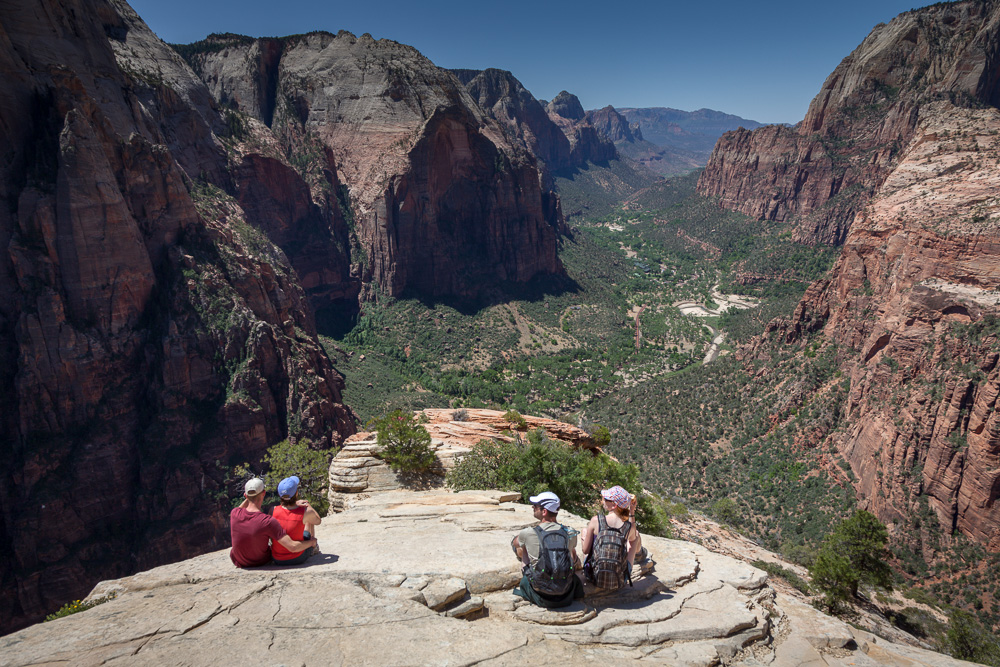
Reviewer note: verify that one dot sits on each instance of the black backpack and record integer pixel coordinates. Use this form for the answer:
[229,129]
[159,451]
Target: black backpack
[608,556]
[552,574]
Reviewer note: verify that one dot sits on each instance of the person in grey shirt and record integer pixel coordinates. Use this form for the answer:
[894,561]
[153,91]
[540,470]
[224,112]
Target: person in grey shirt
[545,507]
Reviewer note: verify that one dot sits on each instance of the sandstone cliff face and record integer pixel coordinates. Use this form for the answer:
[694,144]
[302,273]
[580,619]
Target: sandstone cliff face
[442,201]
[613,125]
[913,305]
[820,173]
[587,144]
[522,117]
[150,335]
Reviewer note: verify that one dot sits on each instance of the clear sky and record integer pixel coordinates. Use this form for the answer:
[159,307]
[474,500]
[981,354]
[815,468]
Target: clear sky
[760,60]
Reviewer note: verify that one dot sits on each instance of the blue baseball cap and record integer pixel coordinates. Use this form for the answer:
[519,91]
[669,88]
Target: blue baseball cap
[288,487]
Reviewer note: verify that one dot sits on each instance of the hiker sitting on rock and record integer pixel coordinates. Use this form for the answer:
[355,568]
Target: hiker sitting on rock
[299,520]
[611,541]
[253,530]
[548,556]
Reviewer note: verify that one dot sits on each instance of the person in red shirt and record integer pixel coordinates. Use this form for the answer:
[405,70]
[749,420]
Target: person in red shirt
[253,530]
[299,520]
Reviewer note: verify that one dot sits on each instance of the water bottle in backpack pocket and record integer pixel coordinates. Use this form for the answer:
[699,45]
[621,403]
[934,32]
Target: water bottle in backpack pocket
[552,574]
[606,565]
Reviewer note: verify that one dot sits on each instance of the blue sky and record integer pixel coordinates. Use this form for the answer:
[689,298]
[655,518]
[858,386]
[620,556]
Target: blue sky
[763,61]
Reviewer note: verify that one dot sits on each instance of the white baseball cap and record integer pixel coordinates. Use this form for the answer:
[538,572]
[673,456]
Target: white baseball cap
[547,500]
[254,486]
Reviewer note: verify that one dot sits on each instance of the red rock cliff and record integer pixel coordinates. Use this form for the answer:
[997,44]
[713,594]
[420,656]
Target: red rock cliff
[820,173]
[913,305]
[150,334]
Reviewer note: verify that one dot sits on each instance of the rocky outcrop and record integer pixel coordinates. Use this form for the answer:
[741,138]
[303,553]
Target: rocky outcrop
[913,305]
[437,568]
[587,144]
[822,172]
[442,202]
[357,467]
[150,335]
[523,119]
[614,126]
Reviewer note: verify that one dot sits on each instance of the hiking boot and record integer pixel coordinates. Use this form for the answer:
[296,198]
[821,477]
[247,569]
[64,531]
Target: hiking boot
[642,555]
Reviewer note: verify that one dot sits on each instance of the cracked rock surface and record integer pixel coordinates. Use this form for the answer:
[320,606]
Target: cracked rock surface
[399,574]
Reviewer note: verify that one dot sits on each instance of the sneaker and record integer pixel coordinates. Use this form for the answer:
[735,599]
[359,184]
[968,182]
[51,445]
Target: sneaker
[306,535]
[642,555]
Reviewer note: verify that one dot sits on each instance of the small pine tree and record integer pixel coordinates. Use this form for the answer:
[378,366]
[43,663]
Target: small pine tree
[854,554]
[403,442]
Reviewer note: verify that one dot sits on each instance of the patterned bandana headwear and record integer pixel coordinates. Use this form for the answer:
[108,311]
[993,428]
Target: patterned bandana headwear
[618,496]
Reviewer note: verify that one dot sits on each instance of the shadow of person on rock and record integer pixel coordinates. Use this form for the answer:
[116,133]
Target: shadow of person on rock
[316,559]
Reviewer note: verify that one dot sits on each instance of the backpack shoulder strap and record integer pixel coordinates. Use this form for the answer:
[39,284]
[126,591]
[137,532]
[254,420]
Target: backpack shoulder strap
[602,523]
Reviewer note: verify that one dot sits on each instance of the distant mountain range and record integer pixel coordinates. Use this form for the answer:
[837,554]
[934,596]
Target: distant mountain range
[666,141]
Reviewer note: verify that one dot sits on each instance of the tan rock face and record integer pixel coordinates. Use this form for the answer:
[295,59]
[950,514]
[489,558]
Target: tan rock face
[913,304]
[149,336]
[820,173]
[441,201]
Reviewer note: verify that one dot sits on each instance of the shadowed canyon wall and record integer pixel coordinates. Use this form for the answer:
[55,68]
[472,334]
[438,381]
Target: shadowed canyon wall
[150,334]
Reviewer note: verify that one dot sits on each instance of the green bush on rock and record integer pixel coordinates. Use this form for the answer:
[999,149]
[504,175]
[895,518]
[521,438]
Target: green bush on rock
[403,442]
[541,464]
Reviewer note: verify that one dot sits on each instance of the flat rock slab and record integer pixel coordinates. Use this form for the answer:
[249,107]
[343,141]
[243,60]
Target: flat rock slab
[467,608]
[812,625]
[366,601]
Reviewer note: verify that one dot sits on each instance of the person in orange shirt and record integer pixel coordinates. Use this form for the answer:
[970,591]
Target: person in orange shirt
[299,520]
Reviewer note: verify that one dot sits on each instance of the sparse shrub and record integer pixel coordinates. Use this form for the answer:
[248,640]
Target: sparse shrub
[575,475]
[601,436]
[967,639]
[460,415]
[726,511]
[76,606]
[854,554]
[514,418]
[775,570]
[403,442]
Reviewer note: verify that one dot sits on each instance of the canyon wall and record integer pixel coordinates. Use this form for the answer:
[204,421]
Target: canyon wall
[913,307]
[443,200]
[151,336]
[821,173]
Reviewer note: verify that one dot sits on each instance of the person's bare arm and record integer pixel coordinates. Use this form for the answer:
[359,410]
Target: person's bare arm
[518,549]
[311,516]
[295,546]
[588,537]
